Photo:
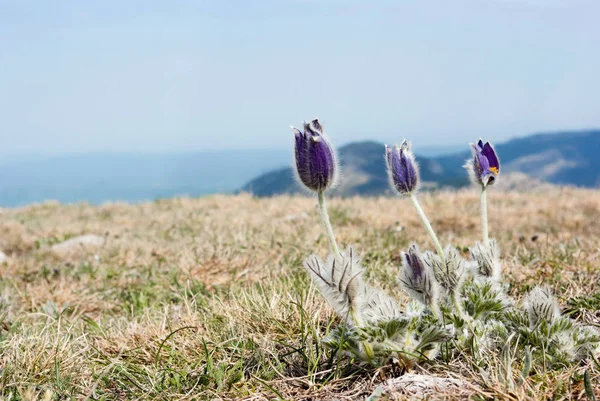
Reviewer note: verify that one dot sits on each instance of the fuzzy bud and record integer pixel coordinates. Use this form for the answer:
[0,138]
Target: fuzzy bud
[316,164]
[418,279]
[450,274]
[541,306]
[403,171]
[487,260]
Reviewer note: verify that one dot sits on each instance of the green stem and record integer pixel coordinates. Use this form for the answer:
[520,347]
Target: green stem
[327,223]
[428,227]
[484,219]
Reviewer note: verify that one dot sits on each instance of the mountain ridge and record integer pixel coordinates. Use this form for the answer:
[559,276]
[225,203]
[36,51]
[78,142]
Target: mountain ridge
[563,157]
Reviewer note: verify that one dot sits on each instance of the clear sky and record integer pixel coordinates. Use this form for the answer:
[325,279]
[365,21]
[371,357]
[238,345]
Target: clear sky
[80,76]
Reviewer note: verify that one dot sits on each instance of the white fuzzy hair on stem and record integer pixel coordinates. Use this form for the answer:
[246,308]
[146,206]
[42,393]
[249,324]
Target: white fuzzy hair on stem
[340,281]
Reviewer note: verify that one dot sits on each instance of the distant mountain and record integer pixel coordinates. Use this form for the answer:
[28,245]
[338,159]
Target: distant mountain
[561,158]
[102,177]
[569,157]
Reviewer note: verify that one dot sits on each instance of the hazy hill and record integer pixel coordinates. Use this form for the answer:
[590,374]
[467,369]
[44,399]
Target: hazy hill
[101,177]
[562,158]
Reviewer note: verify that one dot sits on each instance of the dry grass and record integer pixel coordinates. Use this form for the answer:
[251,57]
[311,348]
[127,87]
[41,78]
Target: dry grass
[206,298]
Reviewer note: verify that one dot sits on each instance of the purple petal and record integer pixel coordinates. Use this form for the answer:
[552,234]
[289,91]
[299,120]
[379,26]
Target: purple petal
[481,166]
[388,156]
[415,262]
[409,171]
[321,162]
[396,169]
[301,153]
[484,164]
[489,152]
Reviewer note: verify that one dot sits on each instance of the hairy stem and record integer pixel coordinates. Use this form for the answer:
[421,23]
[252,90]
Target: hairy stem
[435,310]
[327,223]
[484,219]
[456,302]
[428,227]
[354,314]
[356,318]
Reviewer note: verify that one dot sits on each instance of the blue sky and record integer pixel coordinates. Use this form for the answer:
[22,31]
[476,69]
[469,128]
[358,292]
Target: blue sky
[152,76]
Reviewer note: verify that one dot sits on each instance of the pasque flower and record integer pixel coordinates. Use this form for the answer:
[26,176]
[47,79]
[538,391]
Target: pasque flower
[418,279]
[476,314]
[484,167]
[403,175]
[316,164]
[403,171]
[316,168]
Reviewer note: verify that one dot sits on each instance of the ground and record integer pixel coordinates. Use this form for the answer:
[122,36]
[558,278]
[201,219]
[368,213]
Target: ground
[207,298]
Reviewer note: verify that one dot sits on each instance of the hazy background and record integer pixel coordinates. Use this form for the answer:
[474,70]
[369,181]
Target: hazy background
[172,82]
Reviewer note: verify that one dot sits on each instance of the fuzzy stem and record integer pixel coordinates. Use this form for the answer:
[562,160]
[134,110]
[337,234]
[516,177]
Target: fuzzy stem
[327,223]
[435,310]
[484,219]
[355,315]
[356,318]
[428,227]
[456,302]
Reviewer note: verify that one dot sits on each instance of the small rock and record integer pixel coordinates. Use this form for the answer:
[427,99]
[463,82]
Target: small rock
[83,241]
[3,257]
[424,386]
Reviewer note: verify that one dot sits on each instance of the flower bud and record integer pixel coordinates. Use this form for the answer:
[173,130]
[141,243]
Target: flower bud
[316,165]
[403,171]
[484,167]
[487,261]
[450,272]
[418,279]
[541,306]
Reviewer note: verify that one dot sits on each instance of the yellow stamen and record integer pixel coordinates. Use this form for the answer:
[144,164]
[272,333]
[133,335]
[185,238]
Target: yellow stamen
[494,170]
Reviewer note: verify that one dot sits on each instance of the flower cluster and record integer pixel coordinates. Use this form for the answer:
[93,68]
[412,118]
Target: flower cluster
[455,301]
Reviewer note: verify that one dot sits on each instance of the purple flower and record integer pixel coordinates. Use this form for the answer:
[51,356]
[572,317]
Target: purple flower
[403,171]
[414,262]
[484,167]
[418,279]
[316,164]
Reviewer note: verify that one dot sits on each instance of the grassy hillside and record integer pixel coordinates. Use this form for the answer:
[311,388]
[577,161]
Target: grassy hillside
[207,299]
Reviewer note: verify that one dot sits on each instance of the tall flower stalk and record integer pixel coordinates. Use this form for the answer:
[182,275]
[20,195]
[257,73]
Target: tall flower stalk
[403,174]
[327,222]
[484,218]
[317,169]
[483,168]
[428,228]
